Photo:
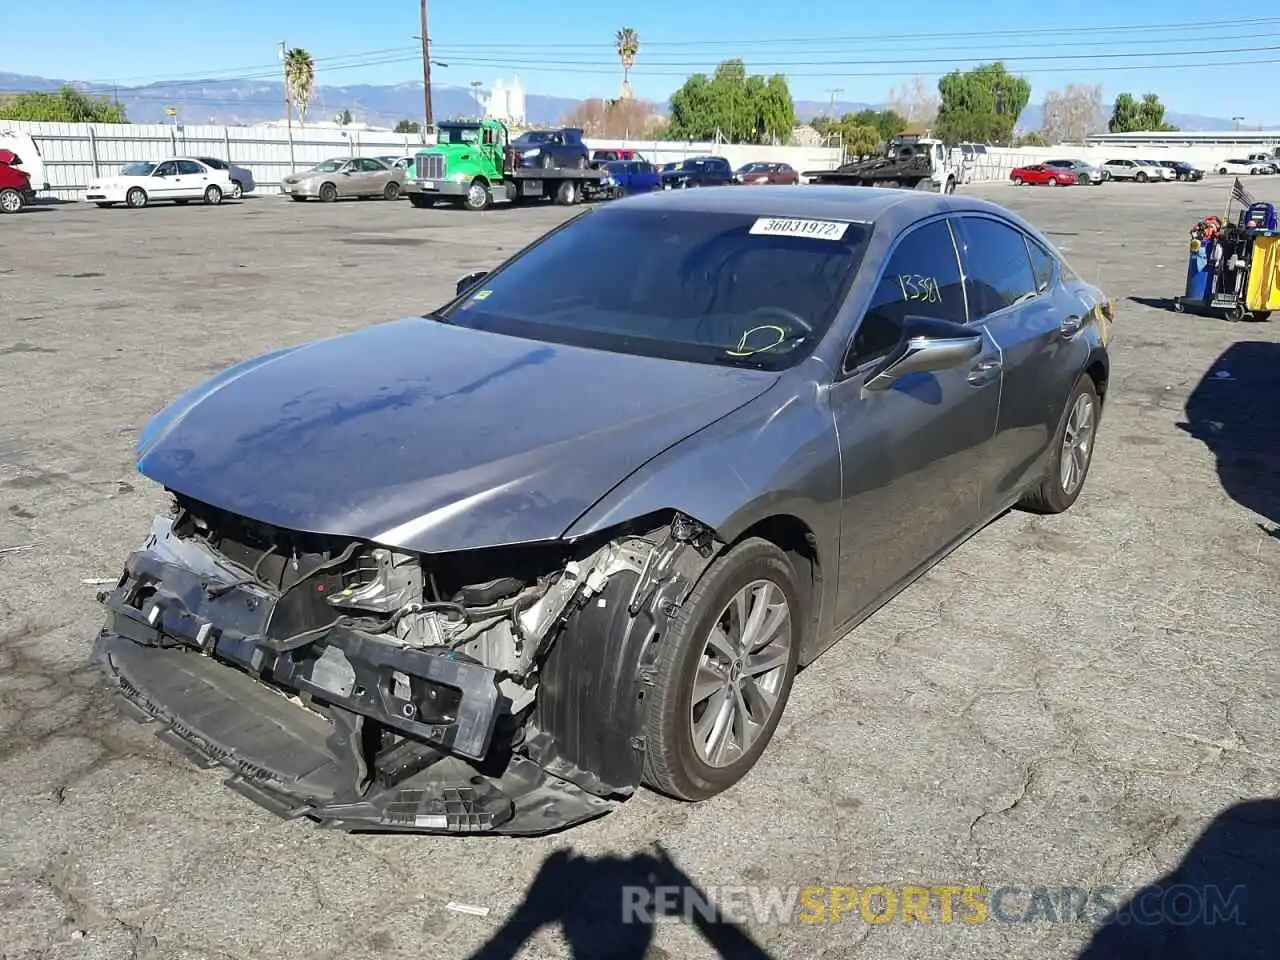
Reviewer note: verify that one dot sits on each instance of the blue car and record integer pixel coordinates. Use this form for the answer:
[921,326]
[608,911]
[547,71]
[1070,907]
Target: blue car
[634,176]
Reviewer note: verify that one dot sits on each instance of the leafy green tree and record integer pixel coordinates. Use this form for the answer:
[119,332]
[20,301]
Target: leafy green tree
[864,132]
[981,105]
[300,79]
[742,108]
[408,126]
[1129,115]
[626,43]
[68,105]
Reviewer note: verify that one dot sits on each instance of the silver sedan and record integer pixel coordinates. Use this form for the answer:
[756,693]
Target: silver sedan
[345,177]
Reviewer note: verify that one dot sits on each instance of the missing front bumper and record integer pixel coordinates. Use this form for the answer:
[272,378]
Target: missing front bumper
[298,763]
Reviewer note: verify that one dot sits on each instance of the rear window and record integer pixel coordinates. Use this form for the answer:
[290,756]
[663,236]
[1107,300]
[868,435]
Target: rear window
[729,289]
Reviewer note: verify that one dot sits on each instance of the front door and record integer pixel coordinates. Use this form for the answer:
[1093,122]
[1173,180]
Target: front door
[1014,292]
[910,454]
[164,183]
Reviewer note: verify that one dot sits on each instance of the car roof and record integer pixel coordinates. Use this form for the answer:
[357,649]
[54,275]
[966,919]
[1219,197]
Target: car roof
[895,209]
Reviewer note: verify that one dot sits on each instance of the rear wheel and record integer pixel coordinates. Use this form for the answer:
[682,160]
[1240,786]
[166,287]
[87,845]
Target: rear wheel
[212,195]
[723,673]
[237,190]
[1070,455]
[391,191]
[1053,181]
[11,201]
[1017,181]
[1222,171]
[567,193]
[1141,177]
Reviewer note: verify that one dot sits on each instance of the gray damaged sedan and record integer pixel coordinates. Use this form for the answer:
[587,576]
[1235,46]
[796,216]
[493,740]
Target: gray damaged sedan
[493,568]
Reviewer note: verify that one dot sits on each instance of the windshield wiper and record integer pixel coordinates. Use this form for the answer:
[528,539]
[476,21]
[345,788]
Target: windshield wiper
[437,317]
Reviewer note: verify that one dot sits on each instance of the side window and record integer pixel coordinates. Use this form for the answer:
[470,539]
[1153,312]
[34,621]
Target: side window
[167,169]
[921,278]
[189,167]
[1042,265]
[997,265]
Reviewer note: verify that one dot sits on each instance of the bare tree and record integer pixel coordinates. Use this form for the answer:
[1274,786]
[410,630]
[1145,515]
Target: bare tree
[917,102]
[1073,112]
[613,119]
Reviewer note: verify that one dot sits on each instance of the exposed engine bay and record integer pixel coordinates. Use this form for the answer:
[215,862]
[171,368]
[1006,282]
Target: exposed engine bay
[370,688]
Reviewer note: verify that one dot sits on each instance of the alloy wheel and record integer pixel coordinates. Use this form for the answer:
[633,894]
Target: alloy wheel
[10,201]
[740,673]
[1077,445]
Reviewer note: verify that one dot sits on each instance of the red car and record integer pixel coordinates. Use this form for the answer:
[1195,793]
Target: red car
[15,185]
[1040,174]
[761,172]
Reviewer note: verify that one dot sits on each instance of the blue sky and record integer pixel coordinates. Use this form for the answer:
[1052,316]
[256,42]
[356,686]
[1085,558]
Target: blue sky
[139,41]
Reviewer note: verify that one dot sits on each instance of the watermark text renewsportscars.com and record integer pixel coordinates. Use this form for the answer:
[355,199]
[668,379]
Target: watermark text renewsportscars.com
[1178,905]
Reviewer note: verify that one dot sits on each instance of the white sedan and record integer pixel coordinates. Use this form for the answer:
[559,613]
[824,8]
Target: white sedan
[179,180]
[1239,166]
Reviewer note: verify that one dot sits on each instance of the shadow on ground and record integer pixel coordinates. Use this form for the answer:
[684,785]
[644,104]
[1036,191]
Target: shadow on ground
[1155,303]
[1235,412]
[606,908]
[1222,901]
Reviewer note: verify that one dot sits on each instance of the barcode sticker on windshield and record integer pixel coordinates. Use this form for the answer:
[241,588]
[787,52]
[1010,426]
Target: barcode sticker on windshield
[784,227]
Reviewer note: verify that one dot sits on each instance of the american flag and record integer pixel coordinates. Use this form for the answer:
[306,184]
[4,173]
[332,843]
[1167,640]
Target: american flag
[1239,193]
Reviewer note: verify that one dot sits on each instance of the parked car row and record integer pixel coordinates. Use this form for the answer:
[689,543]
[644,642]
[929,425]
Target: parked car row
[1063,173]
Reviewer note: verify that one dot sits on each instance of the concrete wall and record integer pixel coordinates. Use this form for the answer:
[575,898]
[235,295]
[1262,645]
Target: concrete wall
[76,153]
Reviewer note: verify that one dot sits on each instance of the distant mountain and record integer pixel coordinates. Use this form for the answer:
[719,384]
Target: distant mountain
[240,101]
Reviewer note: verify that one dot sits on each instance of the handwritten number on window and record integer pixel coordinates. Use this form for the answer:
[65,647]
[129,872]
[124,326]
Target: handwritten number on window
[919,289]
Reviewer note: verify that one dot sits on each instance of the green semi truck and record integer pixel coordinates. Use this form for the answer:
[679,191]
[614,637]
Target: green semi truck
[473,166]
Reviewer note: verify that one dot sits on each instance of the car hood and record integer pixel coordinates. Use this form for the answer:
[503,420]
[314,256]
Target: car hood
[431,437]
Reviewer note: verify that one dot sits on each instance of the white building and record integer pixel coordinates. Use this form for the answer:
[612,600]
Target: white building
[505,102]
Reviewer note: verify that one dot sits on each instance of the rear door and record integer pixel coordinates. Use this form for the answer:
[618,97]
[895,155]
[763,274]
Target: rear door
[1014,291]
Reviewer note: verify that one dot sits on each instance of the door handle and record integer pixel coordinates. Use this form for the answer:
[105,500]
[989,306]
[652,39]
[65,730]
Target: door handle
[1070,327]
[984,372]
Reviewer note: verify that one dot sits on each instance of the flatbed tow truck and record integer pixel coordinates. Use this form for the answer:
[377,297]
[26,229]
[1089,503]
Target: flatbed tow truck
[473,166]
[909,162]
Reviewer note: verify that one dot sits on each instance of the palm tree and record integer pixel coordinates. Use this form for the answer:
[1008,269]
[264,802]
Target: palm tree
[627,43]
[300,76]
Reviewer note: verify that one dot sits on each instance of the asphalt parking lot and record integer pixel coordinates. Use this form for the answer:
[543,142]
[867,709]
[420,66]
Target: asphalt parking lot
[1076,701]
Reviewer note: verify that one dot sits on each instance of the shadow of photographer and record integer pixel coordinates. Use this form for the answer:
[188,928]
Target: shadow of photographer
[608,908]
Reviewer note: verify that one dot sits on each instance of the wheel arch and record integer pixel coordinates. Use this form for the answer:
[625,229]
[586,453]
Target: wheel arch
[1098,369]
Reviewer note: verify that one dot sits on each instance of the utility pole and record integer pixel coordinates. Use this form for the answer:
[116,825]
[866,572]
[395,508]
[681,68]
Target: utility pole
[426,72]
[288,104]
[832,109]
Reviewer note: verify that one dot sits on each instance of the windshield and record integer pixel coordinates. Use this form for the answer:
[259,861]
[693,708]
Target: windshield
[329,166]
[729,289]
[467,134]
[138,170]
[534,136]
[752,167]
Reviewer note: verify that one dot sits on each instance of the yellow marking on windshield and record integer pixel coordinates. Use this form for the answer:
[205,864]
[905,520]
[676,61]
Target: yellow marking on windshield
[483,295]
[742,350]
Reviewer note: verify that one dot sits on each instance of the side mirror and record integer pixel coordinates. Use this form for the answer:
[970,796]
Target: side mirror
[928,345]
[468,281]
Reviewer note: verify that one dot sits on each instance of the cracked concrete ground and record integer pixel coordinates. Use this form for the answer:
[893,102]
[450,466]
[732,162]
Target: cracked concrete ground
[1063,701]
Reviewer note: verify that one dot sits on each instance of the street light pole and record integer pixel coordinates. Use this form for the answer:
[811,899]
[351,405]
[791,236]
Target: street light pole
[426,71]
[1237,120]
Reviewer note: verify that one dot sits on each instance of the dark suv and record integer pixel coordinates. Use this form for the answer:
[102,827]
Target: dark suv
[1186,171]
[551,148]
[697,172]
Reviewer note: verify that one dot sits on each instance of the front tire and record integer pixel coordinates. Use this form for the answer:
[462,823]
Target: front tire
[1222,171]
[723,673]
[478,196]
[328,193]
[136,198]
[1017,181]
[1071,453]
[1053,181]
[1141,177]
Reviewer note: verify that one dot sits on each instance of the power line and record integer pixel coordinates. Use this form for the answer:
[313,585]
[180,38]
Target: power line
[1091,30]
[232,101]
